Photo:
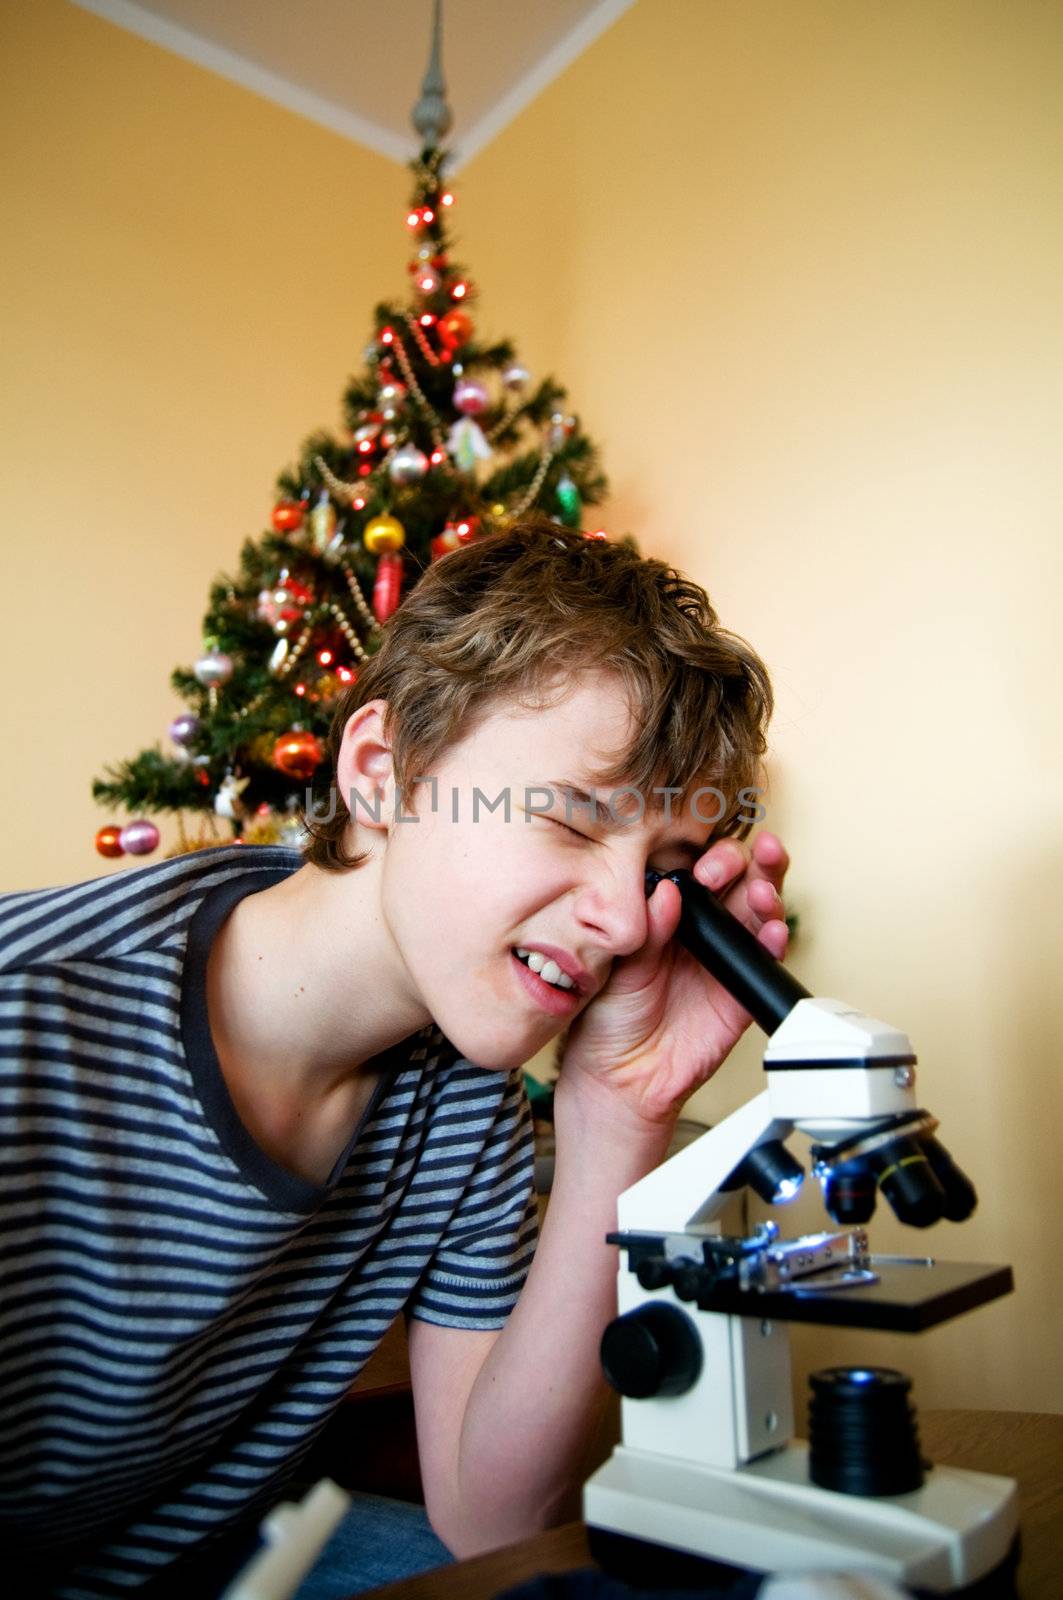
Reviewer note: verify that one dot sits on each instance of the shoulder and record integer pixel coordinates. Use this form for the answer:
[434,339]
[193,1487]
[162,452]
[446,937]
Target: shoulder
[125,911]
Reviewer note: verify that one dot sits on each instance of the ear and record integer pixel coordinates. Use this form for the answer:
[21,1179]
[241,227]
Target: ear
[364,772]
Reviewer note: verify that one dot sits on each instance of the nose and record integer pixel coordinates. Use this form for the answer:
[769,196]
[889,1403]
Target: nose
[611,905]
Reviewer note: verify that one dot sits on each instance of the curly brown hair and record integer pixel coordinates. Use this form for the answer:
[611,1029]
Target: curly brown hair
[516,615]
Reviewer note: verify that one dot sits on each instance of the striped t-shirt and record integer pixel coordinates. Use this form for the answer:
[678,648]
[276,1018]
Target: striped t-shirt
[179,1314]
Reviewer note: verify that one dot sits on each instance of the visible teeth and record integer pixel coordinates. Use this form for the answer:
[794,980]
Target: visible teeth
[549,971]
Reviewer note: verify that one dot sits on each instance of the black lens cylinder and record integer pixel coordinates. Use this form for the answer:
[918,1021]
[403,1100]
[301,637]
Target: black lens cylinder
[907,1180]
[960,1198]
[862,1432]
[849,1192]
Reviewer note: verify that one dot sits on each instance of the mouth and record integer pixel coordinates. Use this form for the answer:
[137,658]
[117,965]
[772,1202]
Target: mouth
[558,1000]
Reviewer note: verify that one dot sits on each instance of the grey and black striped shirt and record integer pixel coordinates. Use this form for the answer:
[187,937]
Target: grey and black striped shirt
[178,1314]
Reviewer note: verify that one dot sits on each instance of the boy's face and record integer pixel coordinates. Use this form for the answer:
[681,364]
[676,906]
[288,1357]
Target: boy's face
[463,888]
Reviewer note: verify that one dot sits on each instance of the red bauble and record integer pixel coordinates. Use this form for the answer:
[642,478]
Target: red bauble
[444,542]
[298,753]
[387,590]
[107,842]
[455,328]
[287,516]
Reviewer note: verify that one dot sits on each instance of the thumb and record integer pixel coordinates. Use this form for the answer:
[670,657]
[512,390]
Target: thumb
[663,908]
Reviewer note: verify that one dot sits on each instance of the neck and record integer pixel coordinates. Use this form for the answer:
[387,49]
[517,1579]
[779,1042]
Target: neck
[305,986]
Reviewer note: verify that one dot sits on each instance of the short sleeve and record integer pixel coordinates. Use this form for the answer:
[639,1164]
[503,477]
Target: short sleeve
[479,1266]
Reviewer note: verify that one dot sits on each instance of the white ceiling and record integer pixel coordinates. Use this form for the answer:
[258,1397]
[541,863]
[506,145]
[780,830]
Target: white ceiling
[356,65]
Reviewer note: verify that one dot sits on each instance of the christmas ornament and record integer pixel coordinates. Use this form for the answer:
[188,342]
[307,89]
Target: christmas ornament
[278,656]
[298,753]
[322,522]
[560,430]
[227,800]
[407,465]
[366,436]
[139,838]
[467,445]
[264,827]
[108,842]
[333,551]
[212,670]
[392,397]
[184,728]
[515,378]
[470,397]
[287,516]
[455,328]
[292,832]
[568,499]
[284,605]
[383,533]
[387,589]
[454,535]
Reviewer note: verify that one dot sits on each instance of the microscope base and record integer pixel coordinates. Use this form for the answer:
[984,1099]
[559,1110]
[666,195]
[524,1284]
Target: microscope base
[942,1538]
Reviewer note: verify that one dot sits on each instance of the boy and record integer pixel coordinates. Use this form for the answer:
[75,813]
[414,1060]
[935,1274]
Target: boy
[258,1106]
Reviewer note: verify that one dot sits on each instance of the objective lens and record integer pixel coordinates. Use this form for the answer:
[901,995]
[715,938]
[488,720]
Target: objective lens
[862,1432]
[960,1198]
[770,1171]
[849,1193]
[907,1179]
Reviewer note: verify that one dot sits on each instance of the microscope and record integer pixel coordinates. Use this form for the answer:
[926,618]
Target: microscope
[708,1470]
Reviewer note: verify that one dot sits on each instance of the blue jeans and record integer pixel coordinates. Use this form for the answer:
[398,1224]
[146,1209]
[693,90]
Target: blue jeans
[377,1542]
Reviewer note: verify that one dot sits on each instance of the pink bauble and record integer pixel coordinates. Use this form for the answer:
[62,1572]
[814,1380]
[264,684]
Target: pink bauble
[470,397]
[139,838]
[184,728]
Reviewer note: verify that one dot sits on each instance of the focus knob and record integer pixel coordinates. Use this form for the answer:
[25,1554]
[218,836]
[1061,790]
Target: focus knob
[653,1350]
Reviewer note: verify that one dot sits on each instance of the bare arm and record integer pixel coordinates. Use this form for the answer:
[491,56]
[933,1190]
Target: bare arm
[504,1419]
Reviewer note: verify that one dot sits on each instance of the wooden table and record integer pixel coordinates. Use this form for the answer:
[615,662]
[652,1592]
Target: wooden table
[1015,1444]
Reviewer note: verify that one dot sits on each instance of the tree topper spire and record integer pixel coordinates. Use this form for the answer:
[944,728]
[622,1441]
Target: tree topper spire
[431,114]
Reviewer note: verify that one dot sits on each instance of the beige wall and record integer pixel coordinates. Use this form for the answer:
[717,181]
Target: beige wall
[188,277]
[798,262]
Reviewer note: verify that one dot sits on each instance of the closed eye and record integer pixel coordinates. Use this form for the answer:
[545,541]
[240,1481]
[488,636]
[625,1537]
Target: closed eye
[568,828]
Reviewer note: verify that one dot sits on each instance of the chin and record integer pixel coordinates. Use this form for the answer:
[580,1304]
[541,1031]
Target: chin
[497,1054]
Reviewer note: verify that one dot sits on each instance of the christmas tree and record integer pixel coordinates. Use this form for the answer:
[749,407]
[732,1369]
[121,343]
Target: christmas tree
[448,439]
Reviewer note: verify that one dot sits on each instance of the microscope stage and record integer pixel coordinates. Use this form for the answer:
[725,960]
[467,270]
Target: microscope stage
[911,1294]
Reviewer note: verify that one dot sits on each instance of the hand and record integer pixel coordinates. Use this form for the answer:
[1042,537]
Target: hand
[662,1025]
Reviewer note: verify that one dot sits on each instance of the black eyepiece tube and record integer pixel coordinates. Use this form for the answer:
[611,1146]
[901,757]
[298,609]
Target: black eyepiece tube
[731,953]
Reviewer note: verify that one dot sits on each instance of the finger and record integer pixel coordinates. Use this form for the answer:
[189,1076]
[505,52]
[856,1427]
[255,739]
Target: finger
[723,862]
[770,857]
[764,900]
[774,936]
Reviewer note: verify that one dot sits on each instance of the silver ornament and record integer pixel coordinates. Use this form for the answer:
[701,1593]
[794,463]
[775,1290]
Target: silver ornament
[213,669]
[515,377]
[278,656]
[407,465]
[392,394]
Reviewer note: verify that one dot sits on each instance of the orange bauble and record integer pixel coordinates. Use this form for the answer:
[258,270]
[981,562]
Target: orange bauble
[298,753]
[287,516]
[455,328]
[107,842]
